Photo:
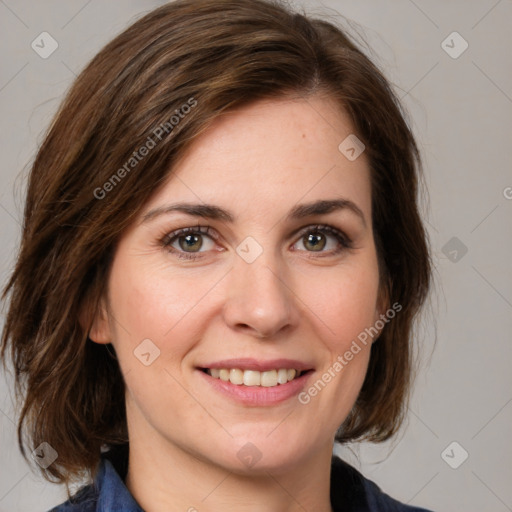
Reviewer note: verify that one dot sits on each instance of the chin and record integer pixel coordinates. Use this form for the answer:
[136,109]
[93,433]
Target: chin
[262,454]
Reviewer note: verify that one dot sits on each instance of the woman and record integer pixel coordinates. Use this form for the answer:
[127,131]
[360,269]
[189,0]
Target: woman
[221,263]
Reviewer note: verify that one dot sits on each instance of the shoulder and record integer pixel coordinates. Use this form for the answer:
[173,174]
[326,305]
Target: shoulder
[378,500]
[350,490]
[85,500]
[108,491]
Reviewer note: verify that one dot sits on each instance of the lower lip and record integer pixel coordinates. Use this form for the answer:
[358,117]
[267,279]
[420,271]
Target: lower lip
[258,395]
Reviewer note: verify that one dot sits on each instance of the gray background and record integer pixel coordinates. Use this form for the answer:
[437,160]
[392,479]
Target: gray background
[461,111]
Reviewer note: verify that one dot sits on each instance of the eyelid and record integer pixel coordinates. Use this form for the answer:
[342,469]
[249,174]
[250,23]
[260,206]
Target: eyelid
[167,240]
[326,228]
[204,230]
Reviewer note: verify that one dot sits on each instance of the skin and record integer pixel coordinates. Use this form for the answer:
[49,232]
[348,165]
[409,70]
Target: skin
[291,302]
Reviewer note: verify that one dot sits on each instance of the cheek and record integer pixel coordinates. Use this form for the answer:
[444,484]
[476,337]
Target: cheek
[151,302]
[347,304]
[346,311]
[146,301]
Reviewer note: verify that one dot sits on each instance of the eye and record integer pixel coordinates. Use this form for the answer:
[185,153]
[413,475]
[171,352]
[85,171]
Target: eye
[318,238]
[187,242]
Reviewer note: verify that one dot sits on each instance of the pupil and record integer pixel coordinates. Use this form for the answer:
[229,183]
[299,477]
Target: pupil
[313,240]
[190,242]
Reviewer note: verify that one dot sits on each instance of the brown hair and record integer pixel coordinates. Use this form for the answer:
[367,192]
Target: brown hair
[163,81]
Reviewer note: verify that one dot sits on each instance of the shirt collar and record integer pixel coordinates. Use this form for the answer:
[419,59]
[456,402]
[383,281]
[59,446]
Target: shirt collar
[113,495]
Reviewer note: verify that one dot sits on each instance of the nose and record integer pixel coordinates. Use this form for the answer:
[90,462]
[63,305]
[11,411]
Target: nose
[259,302]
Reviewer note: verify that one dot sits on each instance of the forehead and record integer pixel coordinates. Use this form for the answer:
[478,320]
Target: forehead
[270,153]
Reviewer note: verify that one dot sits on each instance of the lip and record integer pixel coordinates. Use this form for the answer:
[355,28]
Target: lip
[257,396]
[258,365]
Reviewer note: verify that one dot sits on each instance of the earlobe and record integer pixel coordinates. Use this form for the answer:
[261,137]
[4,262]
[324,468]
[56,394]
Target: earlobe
[97,324]
[380,311]
[378,325]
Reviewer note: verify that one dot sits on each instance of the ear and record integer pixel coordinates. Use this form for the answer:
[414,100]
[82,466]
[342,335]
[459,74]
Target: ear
[96,323]
[382,305]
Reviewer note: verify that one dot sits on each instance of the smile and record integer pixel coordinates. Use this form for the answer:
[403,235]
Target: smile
[254,382]
[267,379]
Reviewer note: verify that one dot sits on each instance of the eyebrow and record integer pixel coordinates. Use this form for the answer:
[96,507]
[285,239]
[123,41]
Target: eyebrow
[213,212]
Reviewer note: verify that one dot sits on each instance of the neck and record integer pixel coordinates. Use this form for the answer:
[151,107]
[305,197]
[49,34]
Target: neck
[163,477]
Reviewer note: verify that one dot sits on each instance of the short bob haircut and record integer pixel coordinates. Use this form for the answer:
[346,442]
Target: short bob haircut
[158,85]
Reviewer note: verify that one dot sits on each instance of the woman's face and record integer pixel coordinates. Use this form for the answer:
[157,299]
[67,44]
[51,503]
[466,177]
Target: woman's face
[279,282]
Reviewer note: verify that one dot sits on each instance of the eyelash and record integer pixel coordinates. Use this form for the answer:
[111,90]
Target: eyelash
[166,242]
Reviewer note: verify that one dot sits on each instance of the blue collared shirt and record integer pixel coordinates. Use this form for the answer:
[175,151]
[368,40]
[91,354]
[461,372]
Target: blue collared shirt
[350,491]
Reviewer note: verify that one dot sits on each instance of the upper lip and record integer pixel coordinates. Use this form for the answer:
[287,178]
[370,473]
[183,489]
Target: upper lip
[259,365]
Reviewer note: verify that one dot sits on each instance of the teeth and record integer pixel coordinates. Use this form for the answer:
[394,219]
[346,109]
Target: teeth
[282,376]
[269,379]
[236,376]
[252,378]
[266,379]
